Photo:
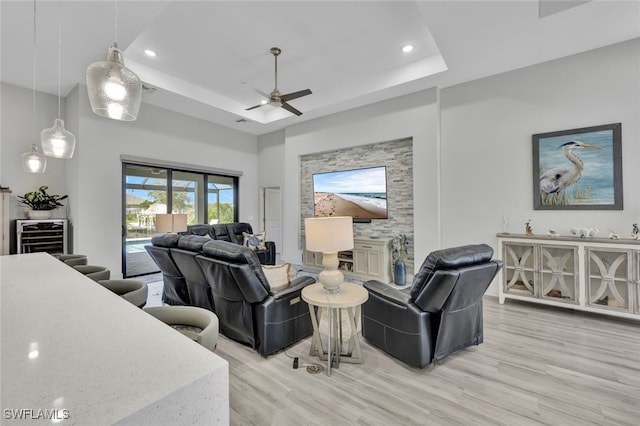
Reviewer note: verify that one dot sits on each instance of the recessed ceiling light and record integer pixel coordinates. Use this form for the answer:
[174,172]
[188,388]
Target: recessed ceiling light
[150,52]
[408,48]
[264,102]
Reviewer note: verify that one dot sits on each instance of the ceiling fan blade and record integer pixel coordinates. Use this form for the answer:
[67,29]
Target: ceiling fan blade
[290,108]
[295,95]
[255,106]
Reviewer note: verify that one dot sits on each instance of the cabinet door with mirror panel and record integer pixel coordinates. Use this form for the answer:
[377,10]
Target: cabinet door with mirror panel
[558,273]
[519,269]
[609,284]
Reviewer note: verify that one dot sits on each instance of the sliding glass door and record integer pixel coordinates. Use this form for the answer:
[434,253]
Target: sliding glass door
[149,190]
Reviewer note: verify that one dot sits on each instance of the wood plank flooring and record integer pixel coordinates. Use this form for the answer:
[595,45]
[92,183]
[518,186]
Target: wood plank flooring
[537,365]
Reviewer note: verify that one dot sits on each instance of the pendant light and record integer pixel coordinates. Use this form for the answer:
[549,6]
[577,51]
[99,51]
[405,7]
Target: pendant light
[57,141]
[33,161]
[114,90]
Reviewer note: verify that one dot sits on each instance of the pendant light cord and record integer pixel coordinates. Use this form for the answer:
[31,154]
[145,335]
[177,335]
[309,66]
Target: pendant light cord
[115,23]
[59,52]
[33,107]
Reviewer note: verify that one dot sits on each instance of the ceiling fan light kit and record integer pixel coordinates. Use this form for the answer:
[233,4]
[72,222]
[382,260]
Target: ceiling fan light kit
[275,98]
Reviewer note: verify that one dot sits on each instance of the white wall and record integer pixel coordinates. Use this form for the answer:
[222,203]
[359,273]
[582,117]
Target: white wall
[159,134]
[487,149]
[18,133]
[412,116]
[481,168]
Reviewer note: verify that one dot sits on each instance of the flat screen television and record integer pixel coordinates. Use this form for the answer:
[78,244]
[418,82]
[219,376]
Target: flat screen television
[359,193]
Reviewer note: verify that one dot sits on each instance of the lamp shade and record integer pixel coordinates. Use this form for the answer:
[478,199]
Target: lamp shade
[33,161]
[171,222]
[329,234]
[114,90]
[57,141]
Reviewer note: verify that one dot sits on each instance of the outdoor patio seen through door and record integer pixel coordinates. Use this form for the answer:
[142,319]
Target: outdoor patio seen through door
[149,190]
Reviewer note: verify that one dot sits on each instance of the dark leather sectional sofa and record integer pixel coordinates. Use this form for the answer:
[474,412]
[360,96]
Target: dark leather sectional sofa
[233,233]
[227,278]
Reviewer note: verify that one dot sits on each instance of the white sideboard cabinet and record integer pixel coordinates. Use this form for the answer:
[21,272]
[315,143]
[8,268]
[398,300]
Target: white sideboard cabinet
[370,259]
[590,274]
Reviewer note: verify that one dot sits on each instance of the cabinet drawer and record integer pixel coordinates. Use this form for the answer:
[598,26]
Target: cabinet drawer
[369,246]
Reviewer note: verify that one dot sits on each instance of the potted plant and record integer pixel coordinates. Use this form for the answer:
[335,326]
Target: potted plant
[399,247]
[41,203]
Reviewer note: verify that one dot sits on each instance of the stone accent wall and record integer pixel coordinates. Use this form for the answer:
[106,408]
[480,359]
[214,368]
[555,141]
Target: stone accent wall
[397,156]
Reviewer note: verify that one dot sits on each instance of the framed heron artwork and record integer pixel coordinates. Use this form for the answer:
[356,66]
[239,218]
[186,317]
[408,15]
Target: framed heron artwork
[578,169]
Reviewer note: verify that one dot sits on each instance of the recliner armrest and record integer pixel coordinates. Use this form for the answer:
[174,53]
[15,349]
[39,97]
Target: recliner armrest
[387,292]
[295,286]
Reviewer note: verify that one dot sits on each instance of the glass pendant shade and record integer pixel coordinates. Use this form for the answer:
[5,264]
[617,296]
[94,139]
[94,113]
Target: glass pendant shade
[57,141]
[33,161]
[114,90]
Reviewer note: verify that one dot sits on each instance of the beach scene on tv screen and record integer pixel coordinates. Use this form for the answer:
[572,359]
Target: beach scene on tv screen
[360,193]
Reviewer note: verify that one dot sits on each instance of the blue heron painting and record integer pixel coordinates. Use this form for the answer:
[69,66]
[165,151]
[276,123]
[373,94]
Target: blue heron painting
[576,169]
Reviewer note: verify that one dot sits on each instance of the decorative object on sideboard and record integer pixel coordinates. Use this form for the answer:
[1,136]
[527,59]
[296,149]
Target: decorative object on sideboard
[57,141]
[553,233]
[528,229]
[41,203]
[584,232]
[399,249]
[592,180]
[114,90]
[635,232]
[613,235]
[506,227]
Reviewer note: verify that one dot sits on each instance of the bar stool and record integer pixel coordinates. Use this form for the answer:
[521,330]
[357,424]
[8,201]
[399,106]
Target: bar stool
[73,259]
[198,324]
[94,272]
[133,291]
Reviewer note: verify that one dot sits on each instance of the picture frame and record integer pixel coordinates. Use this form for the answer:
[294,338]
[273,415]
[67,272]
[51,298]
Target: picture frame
[578,169]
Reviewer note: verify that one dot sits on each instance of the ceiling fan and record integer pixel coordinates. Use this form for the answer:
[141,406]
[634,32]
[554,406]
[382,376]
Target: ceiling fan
[275,98]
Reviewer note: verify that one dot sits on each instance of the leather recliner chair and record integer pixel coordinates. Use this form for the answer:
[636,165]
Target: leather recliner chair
[175,287]
[248,310]
[439,314]
[233,233]
[189,246]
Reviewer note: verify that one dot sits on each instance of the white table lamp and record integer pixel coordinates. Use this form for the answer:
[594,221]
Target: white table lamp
[172,223]
[329,235]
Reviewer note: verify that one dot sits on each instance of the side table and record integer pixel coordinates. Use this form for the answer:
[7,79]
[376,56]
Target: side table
[350,298]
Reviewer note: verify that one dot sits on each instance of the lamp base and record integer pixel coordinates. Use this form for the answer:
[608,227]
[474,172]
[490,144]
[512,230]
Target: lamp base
[331,277]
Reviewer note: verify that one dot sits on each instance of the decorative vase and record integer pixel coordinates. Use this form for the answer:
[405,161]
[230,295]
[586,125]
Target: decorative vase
[400,272]
[39,214]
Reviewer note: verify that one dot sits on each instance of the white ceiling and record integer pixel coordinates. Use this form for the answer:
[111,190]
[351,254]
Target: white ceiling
[347,53]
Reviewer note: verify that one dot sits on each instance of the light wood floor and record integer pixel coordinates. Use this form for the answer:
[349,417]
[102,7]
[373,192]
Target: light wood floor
[537,365]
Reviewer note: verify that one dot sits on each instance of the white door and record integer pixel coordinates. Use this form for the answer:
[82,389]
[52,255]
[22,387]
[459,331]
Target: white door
[273,217]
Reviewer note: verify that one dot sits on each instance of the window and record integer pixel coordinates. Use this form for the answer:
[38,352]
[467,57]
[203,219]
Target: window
[148,190]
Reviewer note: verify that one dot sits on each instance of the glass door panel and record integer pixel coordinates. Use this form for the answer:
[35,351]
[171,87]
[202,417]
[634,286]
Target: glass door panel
[519,275]
[558,273]
[187,196]
[608,278]
[221,199]
[145,195]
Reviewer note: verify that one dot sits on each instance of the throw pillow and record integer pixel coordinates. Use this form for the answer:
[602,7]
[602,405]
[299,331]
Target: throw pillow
[255,241]
[277,275]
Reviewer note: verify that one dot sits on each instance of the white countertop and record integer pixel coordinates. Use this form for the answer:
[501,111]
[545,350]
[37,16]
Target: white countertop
[70,345]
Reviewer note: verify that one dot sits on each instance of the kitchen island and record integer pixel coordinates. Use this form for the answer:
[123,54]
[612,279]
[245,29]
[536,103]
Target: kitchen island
[74,353]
